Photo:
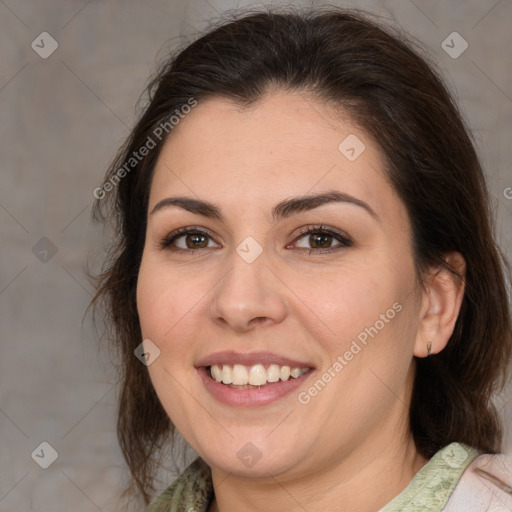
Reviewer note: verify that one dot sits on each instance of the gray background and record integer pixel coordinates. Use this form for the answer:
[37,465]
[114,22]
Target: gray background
[61,121]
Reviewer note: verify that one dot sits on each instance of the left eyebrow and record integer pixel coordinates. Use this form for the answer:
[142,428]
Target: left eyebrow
[282,210]
[296,205]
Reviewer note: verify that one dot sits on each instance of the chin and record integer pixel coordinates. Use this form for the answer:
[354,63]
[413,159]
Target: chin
[254,457]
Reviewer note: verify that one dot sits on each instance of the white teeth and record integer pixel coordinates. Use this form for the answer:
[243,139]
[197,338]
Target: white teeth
[256,375]
[227,374]
[216,373]
[295,372]
[273,373]
[240,375]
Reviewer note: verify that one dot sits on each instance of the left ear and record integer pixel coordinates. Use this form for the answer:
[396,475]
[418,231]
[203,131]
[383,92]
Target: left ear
[440,305]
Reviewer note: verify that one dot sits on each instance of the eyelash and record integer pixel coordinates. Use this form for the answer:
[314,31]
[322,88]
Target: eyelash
[344,240]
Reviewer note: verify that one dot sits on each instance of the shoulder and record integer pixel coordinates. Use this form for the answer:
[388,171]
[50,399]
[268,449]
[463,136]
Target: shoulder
[485,485]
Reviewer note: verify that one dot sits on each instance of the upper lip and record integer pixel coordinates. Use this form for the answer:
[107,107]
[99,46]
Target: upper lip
[250,359]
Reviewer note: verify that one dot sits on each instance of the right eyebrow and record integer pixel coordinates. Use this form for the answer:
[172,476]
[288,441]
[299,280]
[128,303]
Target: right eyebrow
[282,210]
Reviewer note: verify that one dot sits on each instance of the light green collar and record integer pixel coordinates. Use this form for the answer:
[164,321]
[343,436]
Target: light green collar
[429,490]
[434,483]
[192,491]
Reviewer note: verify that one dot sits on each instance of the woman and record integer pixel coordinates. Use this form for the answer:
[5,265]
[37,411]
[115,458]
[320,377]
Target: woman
[306,271]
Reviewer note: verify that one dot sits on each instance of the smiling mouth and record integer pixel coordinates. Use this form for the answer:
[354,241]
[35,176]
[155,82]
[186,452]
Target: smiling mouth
[239,376]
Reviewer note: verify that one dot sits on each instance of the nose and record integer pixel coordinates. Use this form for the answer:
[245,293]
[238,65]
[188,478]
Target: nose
[250,294]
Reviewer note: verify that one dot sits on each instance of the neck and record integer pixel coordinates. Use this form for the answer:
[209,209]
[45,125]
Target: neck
[365,481]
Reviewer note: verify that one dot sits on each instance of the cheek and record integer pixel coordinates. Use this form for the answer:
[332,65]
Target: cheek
[370,312]
[149,302]
[171,305]
[166,319]
[163,298]
[353,300]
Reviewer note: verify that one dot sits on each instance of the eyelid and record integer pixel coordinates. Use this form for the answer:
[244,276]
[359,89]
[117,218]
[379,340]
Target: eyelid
[343,239]
[310,229]
[167,240]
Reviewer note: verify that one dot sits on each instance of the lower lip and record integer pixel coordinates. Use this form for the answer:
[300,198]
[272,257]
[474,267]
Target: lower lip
[251,396]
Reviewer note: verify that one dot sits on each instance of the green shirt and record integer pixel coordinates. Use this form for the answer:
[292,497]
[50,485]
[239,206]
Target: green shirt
[429,490]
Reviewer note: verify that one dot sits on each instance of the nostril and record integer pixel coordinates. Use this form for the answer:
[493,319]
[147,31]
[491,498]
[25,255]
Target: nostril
[259,320]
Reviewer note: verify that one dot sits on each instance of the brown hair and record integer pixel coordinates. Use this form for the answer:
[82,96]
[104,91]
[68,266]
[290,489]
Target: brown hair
[393,92]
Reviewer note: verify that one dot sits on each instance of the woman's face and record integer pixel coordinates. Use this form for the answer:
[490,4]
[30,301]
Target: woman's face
[249,296]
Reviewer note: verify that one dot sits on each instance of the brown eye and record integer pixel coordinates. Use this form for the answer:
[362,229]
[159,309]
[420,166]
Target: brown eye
[186,239]
[195,241]
[321,239]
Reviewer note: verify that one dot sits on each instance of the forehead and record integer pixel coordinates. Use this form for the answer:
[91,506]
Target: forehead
[287,144]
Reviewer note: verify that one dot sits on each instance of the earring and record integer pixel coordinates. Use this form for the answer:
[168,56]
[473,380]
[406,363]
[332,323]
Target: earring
[429,349]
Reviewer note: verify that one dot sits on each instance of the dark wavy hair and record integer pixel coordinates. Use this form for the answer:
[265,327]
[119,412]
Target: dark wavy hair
[389,87]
